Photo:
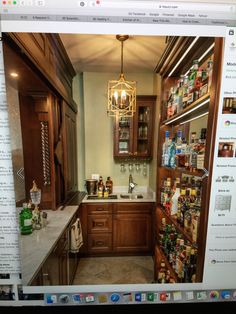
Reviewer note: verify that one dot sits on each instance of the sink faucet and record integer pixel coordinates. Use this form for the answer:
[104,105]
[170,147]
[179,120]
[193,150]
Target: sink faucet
[131,184]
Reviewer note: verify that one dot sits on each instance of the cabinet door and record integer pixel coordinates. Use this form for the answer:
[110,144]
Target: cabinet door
[69,148]
[143,127]
[133,135]
[123,141]
[132,229]
[51,270]
[132,232]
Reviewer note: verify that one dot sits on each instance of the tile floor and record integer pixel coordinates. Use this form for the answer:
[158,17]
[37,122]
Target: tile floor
[114,270]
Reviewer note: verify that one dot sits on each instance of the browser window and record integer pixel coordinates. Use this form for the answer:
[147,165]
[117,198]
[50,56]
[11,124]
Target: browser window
[118,152]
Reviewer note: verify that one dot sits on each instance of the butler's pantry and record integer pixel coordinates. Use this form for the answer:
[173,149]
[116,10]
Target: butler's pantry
[100,153]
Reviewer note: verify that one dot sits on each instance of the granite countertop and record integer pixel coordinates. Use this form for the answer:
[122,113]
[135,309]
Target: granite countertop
[120,195]
[35,248]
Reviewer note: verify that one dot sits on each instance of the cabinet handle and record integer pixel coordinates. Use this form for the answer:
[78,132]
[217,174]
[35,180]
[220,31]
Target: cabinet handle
[45,275]
[99,243]
[99,209]
[100,224]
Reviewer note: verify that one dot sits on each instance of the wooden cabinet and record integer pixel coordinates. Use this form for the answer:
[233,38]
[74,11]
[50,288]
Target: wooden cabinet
[99,228]
[132,228]
[70,142]
[60,265]
[47,53]
[54,270]
[133,136]
[47,114]
[114,228]
[180,238]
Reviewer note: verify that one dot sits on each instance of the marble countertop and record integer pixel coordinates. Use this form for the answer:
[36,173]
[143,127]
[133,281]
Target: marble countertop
[121,195]
[35,248]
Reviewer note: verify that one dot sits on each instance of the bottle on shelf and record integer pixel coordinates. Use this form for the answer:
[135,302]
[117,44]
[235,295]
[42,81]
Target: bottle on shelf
[174,200]
[165,150]
[181,201]
[26,226]
[209,74]
[162,272]
[172,154]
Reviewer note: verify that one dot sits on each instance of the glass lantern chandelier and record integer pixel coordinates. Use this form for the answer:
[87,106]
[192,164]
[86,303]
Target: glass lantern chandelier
[121,93]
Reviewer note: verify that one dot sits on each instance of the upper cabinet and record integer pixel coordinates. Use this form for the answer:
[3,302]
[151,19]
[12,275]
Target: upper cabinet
[133,136]
[47,114]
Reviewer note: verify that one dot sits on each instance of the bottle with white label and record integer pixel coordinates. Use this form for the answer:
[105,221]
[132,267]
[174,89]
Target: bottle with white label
[174,200]
[26,220]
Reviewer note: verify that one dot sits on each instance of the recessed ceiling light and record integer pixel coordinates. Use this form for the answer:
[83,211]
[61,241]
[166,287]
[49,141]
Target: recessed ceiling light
[14,74]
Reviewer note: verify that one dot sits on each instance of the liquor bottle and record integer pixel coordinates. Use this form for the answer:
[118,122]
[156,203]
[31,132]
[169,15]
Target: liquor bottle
[26,220]
[172,153]
[179,143]
[185,207]
[167,191]
[174,200]
[165,150]
[162,273]
[209,74]
[192,78]
[181,201]
[109,185]
[185,91]
[180,93]
[100,187]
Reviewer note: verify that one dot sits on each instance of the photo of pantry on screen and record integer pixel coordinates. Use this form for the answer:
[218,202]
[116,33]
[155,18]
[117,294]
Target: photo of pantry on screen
[131,206]
[117,153]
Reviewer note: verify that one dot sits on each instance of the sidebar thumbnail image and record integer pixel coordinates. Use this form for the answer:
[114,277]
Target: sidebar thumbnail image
[229,105]
[226,149]
[6,293]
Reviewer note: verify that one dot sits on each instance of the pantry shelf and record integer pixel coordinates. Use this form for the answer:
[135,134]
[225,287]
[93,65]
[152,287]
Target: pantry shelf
[196,109]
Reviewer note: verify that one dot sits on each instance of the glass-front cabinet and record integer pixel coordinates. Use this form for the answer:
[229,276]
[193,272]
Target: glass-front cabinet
[133,135]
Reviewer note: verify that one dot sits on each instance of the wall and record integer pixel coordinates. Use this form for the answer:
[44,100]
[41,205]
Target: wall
[99,127]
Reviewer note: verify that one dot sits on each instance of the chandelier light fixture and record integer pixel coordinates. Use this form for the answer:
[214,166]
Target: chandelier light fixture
[121,93]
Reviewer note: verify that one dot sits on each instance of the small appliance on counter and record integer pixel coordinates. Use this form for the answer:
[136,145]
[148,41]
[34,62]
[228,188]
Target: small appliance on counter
[91,186]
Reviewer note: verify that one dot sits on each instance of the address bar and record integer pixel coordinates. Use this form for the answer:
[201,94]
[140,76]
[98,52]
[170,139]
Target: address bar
[164,6]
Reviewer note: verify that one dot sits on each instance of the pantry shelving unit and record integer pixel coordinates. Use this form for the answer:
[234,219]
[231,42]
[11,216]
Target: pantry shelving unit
[176,60]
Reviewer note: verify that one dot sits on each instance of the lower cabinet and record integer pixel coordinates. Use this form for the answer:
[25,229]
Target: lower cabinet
[132,231]
[99,228]
[114,228]
[60,266]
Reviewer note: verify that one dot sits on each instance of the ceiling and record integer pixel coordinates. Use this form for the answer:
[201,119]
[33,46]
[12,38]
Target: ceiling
[102,53]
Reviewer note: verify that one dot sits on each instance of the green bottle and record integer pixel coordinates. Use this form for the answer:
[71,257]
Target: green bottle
[26,220]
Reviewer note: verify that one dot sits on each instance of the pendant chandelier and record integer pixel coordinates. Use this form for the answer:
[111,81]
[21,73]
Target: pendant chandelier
[121,93]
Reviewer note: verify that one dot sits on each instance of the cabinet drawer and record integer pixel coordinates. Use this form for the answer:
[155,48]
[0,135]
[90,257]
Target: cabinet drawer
[99,208]
[136,208]
[99,223]
[100,242]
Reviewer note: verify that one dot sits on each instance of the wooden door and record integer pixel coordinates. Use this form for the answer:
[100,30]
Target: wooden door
[143,126]
[69,147]
[132,228]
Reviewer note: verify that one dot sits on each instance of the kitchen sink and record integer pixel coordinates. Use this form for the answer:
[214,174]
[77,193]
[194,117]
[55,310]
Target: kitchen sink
[95,197]
[131,196]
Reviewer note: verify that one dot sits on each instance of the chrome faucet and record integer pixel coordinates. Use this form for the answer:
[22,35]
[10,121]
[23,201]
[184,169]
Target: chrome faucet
[131,184]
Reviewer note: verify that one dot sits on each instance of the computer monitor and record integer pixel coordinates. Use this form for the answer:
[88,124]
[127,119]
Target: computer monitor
[118,153]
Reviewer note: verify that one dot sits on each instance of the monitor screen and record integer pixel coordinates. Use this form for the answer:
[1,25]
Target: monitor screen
[118,153]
